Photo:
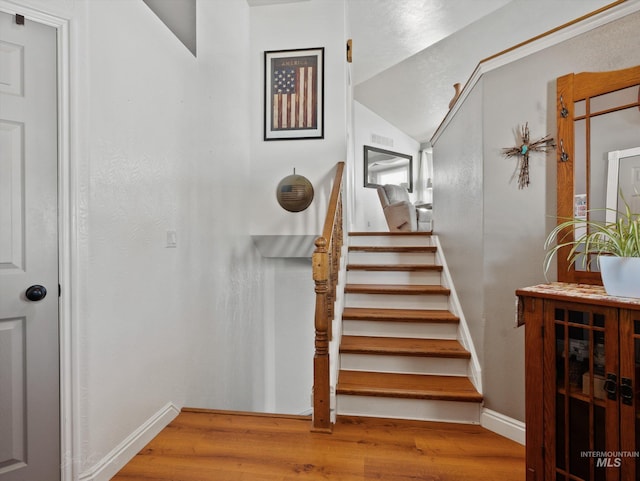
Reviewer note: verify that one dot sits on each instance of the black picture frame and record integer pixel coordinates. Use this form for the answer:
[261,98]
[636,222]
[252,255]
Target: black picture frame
[378,161]
[294,94]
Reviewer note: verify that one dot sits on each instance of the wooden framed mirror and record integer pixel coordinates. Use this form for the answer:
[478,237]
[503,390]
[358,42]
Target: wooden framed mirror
[597,113]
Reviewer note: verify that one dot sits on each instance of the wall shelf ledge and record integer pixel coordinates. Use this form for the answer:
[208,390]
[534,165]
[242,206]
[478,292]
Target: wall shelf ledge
[285,245]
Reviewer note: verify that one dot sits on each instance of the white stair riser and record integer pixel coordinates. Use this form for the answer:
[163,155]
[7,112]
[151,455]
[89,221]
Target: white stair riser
[404,364]
[418,409]
[391,241]
[397,301]
[358,257]
[394,277]
[421,330]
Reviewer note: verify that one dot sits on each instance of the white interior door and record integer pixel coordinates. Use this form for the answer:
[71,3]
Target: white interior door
[29,360]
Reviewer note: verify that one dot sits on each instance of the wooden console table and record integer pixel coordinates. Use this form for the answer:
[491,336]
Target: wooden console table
[582,369]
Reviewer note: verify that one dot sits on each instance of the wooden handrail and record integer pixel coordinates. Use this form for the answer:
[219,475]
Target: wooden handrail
[326,264]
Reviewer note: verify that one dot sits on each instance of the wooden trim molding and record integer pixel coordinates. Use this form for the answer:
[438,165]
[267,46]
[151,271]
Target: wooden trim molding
[590,21]
[503,425]
[124,452]
[572,88]
[301,417]
[464,335]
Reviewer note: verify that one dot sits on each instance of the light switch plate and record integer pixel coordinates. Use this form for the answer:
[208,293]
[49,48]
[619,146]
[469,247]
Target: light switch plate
[172,239]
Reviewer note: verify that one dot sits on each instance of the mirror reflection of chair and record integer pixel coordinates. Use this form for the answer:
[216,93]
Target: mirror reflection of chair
[400,213]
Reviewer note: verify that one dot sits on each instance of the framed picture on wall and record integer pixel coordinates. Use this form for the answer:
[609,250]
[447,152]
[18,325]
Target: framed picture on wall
[294,94]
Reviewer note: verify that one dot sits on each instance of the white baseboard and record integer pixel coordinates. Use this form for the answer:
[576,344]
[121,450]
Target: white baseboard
[113,462]
[503,425]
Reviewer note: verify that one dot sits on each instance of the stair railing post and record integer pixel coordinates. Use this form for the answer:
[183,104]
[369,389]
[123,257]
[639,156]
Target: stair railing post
[325,263]
[321,382]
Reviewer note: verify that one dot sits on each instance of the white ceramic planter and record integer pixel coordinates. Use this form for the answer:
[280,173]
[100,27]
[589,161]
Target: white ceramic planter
[620,275]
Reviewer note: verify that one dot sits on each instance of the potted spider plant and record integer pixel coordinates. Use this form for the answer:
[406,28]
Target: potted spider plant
[614,245]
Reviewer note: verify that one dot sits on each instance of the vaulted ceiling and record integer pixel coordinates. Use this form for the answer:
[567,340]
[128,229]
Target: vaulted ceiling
[409,53]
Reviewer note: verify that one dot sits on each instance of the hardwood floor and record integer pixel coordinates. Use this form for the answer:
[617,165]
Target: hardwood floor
[226,446]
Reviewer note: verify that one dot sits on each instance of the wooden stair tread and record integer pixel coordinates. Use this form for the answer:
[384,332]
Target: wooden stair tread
[399,346]
[394,267]
[399,315]
[411,386]
[410,249]
[391,234]
[410,289]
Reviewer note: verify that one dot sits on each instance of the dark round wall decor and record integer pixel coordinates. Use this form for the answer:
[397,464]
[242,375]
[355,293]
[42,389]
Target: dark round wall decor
[294,193]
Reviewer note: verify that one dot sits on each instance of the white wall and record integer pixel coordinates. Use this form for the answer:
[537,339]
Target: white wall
[289,289]
[168,151]
[289,323]
[159,143]
[367,211]
[310,24]
[508,233]
[163,141]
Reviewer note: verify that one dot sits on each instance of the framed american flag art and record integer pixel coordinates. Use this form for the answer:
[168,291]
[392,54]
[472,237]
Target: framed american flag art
[294,94]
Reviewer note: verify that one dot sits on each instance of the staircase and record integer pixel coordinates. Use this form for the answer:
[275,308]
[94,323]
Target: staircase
[400,354]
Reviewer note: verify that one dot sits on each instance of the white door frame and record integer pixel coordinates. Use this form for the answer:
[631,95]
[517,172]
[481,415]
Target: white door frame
[67,243]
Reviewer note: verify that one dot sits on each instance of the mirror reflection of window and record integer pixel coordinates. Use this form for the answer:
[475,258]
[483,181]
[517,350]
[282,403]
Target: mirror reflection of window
[383,167]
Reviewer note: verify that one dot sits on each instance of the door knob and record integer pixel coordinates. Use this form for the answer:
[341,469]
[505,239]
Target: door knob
[36,292]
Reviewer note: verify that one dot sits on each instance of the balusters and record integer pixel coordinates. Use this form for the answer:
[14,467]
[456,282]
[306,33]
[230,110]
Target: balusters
[326,267]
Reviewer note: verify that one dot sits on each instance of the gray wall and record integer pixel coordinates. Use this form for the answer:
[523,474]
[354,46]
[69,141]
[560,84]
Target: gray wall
[458,206]
[180,17]
[482,216]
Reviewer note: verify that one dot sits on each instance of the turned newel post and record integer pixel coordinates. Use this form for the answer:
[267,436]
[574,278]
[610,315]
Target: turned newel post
[321,394]
[326,266]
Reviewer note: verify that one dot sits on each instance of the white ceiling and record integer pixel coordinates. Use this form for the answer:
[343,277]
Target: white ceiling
[386,32]
[407,54]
